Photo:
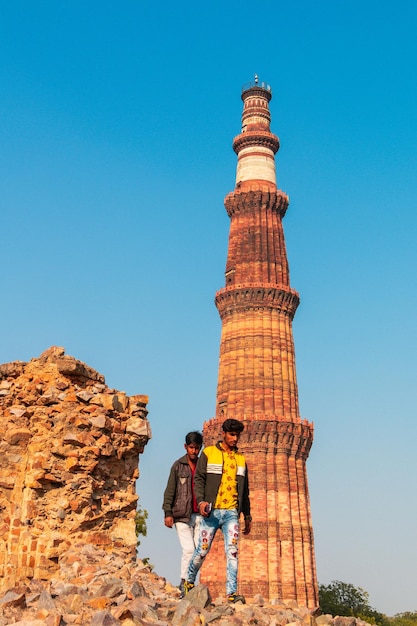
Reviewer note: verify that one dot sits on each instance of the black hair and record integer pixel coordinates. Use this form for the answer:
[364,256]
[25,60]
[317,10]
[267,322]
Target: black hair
[194,437]
[232,426]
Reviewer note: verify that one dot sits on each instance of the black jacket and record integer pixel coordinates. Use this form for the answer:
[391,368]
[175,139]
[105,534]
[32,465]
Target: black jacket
[178,495]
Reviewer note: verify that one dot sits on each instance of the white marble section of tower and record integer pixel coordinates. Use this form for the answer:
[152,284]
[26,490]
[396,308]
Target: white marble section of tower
[256,145]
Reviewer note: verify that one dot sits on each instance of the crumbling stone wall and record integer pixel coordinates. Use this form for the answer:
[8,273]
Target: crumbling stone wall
[69,452]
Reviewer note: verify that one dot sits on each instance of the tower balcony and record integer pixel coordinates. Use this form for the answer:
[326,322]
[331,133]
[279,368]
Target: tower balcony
[255,85]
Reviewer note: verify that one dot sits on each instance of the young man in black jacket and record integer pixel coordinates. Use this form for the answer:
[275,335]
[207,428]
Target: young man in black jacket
[180,505]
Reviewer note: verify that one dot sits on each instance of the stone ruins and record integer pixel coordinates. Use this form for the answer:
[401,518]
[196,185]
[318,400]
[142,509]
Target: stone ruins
[69,452]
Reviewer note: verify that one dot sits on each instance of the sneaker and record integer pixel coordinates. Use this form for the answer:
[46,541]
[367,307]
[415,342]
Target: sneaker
[181,588]
[235,597]
[187,587]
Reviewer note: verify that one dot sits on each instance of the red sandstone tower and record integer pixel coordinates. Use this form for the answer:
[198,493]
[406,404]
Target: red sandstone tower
[257,379]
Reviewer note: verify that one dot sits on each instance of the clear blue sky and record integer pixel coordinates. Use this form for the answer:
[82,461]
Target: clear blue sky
[116,128]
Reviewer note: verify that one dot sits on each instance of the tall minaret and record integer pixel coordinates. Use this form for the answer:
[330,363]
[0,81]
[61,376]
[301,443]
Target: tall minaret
[257,379]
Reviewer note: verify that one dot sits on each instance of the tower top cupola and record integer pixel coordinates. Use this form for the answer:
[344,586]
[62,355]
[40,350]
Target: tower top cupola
[256,146]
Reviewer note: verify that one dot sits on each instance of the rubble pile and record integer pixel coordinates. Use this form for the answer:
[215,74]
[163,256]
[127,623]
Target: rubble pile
[95,587]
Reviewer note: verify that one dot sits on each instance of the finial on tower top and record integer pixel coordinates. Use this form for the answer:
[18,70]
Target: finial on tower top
[256,79]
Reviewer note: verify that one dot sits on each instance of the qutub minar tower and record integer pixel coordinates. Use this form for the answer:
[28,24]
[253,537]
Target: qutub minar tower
[257,379]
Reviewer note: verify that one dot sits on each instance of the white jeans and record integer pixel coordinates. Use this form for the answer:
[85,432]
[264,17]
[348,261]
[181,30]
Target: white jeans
[188,533]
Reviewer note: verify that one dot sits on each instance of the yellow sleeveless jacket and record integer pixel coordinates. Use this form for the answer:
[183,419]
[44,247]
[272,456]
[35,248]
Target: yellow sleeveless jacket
[208,476]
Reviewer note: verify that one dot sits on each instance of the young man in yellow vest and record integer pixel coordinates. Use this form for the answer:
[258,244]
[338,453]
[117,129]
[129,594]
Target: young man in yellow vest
[222,491]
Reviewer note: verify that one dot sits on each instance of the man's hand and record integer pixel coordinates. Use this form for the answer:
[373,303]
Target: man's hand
[202,509]
[169,522]
[247,526]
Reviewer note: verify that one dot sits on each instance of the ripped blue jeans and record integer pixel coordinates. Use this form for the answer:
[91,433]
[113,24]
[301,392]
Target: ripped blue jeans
[228,521]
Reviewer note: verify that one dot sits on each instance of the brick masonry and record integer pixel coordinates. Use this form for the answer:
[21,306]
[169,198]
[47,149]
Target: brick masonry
[257,377]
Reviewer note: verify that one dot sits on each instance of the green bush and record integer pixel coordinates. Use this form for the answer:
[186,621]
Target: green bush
[339,598]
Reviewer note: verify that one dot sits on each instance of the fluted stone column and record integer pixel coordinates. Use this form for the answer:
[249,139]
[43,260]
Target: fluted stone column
[257,381]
